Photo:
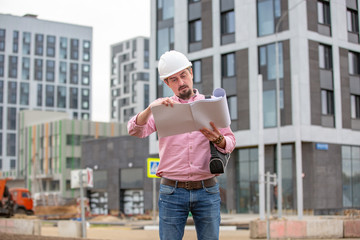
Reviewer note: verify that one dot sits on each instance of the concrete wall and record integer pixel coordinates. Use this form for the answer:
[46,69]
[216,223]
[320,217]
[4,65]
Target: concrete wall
[31,227]
[113,154]
[312,228]
[322,182]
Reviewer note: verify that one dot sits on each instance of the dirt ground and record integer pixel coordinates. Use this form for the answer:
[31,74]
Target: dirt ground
[127,233]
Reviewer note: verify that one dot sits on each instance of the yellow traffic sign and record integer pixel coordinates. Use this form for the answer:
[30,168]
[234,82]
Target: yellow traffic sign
[152,166]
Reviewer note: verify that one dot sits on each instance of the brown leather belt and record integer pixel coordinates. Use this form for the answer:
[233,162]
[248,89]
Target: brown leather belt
[190,185]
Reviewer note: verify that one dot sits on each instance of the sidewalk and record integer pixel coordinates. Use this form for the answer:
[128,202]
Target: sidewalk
[233,226]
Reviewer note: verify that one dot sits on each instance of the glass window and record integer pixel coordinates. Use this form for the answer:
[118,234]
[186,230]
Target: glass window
[25,72]
[247,181]
[39,44]
[12,89]
[1,91]
[63,48]
[325,57]
[355,106]
[232,102]
[350,172]
[50,46]
[85,116]
[12,164]
[49,95]
[228,65]
[2,62]
[74,74]
[15,41]
[39,95]
[86,51]
[197,72]
[228,22]
[11,118]
[195,31]
[73,140]
[13,61]
[287,176]
[1,120]
[38,73]
[267,61]
[11,144]
[166,9]
[354,67]
[73,98]
[24,93]
[74,49]
[85,74]
[268,12]
[26,43]
[327,102]
[165,40]
[50,70]
[2,39]
[73,163]
[85,99]
[61,97]
[269,108]
[54,185]
[323,8]
[352,21]
[62,72]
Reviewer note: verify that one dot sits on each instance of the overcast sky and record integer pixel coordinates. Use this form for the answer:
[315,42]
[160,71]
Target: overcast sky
[113,21]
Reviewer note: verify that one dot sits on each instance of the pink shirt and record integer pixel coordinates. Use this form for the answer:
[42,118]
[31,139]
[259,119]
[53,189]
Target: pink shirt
[183,157]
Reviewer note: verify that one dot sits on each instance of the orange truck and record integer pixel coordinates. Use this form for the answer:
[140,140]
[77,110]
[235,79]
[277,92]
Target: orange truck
[14,200]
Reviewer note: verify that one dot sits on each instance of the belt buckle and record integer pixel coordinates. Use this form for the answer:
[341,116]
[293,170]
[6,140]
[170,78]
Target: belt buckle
[189,186]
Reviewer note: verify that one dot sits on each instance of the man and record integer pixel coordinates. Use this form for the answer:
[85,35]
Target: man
[186,182]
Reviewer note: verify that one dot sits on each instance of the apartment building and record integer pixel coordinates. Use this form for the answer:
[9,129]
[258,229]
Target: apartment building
[311,47]
[44,65]
[129,80]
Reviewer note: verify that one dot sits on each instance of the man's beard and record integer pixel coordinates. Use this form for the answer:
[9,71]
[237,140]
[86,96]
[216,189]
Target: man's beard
[186,95]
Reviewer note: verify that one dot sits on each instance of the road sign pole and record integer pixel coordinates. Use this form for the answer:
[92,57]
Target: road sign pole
[83,223]
[154,200]
[152,165]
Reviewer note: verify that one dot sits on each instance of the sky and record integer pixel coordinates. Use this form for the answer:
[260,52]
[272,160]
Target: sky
[112,21]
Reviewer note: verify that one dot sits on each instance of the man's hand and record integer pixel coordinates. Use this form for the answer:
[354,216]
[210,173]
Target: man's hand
[214,135]
[144,116]
[163,101]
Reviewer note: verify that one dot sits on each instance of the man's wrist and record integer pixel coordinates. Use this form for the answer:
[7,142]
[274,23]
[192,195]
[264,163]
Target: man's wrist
[218,140]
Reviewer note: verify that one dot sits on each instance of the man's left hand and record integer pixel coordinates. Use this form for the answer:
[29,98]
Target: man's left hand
[214,135]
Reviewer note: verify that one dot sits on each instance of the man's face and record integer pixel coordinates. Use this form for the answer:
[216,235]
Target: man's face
[181,83]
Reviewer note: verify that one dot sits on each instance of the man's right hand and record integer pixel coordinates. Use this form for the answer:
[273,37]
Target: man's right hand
[144,116]
[163,101]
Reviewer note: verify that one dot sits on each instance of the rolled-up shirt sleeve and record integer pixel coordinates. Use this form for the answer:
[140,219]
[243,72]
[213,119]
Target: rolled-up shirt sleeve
[230,140]
[141,131]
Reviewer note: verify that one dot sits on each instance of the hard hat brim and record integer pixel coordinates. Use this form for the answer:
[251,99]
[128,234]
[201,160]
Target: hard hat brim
[175,71]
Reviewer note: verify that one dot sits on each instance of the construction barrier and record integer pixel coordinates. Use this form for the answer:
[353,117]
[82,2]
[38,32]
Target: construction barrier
[313,228]
[30,227]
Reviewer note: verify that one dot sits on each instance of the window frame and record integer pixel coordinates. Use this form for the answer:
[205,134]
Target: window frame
[195,31]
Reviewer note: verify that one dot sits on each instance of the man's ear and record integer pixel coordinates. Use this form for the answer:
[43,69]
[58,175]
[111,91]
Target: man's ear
[166,82]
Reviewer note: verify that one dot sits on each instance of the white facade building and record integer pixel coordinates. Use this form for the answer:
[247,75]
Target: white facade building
[232,44]
[45,66]
[129,80]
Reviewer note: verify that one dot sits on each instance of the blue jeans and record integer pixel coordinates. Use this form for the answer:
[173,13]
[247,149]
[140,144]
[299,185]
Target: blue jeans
[175,205]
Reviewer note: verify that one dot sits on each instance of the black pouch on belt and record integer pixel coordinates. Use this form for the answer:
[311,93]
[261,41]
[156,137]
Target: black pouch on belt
[218,160]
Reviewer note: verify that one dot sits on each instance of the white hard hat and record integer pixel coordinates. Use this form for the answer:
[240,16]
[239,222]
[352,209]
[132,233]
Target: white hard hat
[172,62]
